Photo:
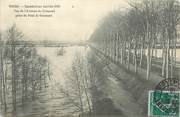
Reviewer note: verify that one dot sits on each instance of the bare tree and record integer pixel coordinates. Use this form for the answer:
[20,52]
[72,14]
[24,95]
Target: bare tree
[145,26]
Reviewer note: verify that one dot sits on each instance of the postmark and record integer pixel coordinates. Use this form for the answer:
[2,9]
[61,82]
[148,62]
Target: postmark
[164,100]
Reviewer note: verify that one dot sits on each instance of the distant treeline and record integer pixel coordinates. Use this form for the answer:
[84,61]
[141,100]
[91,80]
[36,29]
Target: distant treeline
[133,36]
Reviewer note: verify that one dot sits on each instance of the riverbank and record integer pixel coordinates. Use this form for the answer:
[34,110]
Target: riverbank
[127,90]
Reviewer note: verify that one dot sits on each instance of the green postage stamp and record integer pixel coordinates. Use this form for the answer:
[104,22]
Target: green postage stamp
[165,104]
[165,99]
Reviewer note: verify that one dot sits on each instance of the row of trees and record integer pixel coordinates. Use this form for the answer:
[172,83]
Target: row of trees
[134,36]
[22,71]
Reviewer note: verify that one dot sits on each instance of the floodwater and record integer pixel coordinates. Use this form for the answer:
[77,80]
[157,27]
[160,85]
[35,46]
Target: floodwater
[49,101]
[60,64]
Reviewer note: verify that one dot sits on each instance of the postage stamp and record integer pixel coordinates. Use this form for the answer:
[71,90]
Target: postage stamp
[165,99]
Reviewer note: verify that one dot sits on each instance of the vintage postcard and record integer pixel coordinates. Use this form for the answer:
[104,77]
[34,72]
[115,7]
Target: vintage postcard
[89,58]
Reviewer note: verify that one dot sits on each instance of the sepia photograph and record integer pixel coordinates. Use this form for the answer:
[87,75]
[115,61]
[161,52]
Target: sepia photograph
[89,58]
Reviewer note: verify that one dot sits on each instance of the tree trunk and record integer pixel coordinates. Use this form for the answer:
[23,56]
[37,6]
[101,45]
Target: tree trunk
[1,77]
[115,51]
[118,48]
[141,56]
[23,81]
[135,58]
[172,61]
[167,59]
[49,76]
[109,47]
[152,53]
[148,62]
[121,53]
[129,51]
[163,60]
[13,77]
[133,55]
[3,83]
[175,48]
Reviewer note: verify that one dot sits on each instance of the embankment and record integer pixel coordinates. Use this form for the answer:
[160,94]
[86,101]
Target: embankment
[127,90]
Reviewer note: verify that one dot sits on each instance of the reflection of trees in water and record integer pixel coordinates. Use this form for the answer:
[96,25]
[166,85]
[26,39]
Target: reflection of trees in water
[78,87]
[81,91]
[22,71]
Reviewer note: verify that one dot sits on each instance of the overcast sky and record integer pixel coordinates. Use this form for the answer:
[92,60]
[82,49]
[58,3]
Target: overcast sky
[70,24]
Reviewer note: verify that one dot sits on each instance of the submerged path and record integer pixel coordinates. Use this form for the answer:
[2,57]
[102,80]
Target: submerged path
[128,91]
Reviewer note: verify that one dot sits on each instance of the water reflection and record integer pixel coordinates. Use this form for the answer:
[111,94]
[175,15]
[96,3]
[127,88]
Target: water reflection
[51,100]
[60,64]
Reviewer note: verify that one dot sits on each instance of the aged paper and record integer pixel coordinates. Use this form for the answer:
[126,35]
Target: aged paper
[89,58]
